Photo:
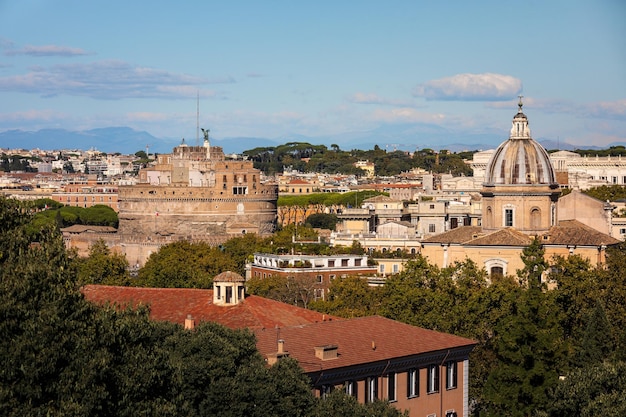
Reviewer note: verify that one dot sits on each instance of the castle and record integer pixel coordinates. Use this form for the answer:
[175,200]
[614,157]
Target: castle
[195,194]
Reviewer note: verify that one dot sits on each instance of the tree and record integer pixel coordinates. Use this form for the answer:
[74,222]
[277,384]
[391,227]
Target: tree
[534,265]
[595,390]
[102,266]
[348,297]
[296,290]
[337,403]
[184,265]
[531,351]
[322,221]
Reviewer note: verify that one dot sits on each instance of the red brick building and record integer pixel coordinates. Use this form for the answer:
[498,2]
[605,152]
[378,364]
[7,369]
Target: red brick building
[419,370]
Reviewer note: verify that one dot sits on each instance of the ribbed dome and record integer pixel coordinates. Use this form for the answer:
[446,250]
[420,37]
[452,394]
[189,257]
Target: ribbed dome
[520,159]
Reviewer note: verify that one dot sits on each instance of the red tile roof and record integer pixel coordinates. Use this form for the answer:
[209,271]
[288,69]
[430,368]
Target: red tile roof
[174,304]
[573,232]
[355,339]
[503,237]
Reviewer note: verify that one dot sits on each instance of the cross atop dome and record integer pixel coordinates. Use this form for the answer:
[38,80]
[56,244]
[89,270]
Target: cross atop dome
[520,129]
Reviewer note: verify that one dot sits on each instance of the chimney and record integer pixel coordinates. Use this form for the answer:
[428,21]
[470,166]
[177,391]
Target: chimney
[272,358]
[326,352]
[190,323]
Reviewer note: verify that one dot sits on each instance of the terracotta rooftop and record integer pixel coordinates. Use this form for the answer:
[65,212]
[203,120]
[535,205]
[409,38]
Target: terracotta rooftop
[457,235]
[380,199]
[573,232]
[81,228]
[503,237]
[298,181]
[228,276]
[174,304]
[359,340]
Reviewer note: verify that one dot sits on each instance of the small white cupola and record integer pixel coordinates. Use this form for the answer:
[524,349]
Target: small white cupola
[520,129]
[228,289]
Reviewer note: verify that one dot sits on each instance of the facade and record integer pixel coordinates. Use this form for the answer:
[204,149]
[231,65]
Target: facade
[87,193]
[194,193]
[317,269]
[386,224]
[587,210]
[422,371]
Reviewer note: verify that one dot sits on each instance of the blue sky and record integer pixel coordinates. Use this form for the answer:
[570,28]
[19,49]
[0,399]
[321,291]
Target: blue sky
[279,69]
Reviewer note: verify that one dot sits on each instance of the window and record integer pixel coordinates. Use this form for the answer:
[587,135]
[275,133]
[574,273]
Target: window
[431,228]
[320,279]
[497,271]
[344,262]
[240,190]
[331,276]
[395,268]
[325,390]
[451,375]
[381,268]
[351,388]
[371,389]
[508,217]
[331,263]
[433,379]
[391,386]
[357,262]
[454,223]
[413,383]
[432,206]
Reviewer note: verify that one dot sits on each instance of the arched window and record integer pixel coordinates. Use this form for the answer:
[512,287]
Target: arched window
[535,218]
[488,217]
[496,267]
[496,271]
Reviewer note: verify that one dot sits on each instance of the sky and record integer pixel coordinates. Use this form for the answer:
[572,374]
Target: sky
[324,68]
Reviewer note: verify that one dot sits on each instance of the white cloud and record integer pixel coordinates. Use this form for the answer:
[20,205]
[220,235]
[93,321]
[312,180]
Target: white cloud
[108,80]
[471,87]
[46,50]
[607,110]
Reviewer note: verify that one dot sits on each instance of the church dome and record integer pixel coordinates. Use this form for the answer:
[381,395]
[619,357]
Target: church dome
[520,159]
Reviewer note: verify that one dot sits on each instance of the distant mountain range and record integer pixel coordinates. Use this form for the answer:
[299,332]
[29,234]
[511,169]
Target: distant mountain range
[128,141]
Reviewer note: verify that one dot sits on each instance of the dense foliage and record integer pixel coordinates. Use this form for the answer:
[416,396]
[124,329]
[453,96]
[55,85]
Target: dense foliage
[50,213]
[349,199]
[63,356]
[607,192]
[16,163]
[305,157]
[534,344]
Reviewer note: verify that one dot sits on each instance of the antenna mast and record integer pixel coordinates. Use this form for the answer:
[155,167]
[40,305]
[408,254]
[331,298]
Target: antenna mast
[198,120]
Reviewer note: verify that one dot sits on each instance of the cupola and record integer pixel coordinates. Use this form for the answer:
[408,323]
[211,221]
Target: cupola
[520,159]
[228,289]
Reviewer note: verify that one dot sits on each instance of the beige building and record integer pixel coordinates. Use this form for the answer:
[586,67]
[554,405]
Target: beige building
[195,194]
[520,195]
